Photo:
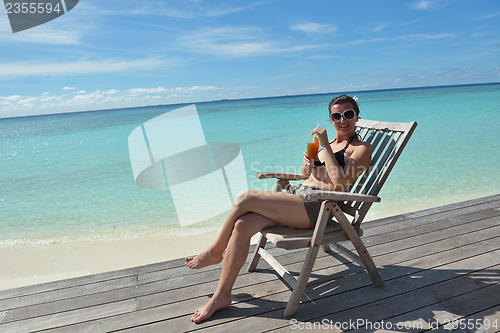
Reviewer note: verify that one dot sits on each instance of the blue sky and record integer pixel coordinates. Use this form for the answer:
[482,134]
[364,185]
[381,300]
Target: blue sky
[112,54]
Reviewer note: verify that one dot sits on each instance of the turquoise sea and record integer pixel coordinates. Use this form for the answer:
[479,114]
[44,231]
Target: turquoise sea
[68,177]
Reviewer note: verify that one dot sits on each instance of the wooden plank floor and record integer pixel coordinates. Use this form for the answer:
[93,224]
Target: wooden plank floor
[438,265]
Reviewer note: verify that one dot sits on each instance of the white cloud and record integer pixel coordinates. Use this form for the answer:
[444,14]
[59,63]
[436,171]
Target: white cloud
[68,88]
[376,40]
[49,98]
[27,100]
[111,92]
[113,99]
[427,36]
[177,9]
[23,69]
[151,7]
[485,17]
[430,4]
[422,37]
[315,28]
[83,99]
[236,42]
[81,92]
[355,42]
[380,27]
[13,98]
[147,90]
[194,88]
[228,10]
[421,5]
[45,36]
[228,41]
[244,88]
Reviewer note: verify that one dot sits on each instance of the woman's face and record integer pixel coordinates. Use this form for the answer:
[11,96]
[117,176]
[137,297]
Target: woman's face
[343,126]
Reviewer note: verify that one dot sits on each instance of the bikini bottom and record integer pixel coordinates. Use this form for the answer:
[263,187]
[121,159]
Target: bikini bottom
[312,206]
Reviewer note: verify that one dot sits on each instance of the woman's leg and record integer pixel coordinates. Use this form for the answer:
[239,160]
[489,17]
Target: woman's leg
[213,254]
[283,208]
[272,210]
[236,253]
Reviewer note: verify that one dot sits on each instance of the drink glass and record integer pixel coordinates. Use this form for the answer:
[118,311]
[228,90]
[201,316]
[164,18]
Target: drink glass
[312,150]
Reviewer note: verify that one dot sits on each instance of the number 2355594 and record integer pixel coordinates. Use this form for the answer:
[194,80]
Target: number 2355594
[470,324]
[32,8]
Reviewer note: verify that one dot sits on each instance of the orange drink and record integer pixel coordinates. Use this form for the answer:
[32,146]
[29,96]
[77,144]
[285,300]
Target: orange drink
[312,149]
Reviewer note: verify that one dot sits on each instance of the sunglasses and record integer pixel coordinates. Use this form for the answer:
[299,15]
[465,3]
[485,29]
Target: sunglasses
[348,115]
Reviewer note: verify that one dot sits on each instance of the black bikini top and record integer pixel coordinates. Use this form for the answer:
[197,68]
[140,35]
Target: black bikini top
[339,155]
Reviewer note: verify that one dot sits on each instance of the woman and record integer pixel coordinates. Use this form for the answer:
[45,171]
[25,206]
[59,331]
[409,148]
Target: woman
[253,211]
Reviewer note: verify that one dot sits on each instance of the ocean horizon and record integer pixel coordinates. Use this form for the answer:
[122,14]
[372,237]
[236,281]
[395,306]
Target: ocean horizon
[179,105]
[67,177]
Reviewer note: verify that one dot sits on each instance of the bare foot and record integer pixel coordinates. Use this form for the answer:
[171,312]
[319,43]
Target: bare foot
[203,259]
[214,304]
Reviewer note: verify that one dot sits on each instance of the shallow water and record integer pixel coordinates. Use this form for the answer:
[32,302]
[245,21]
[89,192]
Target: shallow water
[67,177]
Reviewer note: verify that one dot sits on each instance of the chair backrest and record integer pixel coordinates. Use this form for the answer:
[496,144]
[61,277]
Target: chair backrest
[388,141]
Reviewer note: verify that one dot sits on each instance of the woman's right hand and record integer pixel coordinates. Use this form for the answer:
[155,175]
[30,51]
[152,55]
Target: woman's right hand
[306,161]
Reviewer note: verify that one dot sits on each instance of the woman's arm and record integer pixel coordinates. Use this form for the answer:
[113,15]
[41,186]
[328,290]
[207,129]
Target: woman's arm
[356,164]
[342,178]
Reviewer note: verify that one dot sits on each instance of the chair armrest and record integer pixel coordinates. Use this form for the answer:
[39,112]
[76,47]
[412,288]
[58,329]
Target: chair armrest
[281,175]
[341,196]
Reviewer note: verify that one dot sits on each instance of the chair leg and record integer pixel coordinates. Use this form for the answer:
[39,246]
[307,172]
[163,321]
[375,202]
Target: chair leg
[359,246]
[298,291]
[305,273]
[256,256]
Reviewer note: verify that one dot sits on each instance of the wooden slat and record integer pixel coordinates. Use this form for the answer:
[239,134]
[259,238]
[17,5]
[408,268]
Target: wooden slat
[380,125]
[278,268]
[340,196]
[88,279]
[281,175]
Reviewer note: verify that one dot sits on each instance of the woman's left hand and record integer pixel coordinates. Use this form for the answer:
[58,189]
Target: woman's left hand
[321,134]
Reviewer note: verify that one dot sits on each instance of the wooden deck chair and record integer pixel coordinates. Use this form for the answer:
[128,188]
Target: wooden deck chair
[388,141]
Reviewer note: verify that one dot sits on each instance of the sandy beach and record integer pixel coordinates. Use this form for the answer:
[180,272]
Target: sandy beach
[28,265]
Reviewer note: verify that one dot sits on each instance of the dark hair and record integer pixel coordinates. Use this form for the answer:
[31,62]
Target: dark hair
[341,100]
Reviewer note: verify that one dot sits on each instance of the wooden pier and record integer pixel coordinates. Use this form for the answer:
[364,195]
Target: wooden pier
[440,266]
